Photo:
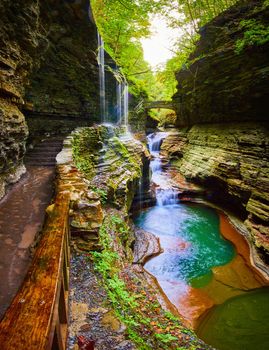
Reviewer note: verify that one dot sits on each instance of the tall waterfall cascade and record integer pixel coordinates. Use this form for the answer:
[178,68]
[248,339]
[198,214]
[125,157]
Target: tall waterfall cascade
[102,81]
[122,91]
[164,191]
[122,103]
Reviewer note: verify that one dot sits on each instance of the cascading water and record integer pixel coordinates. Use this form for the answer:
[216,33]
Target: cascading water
[119,102]
[102,82]
[122,94]
[125,105]
[165,193]
[122,104]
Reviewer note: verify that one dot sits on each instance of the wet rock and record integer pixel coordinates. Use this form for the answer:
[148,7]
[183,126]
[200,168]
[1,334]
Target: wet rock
[146,245]
[236,172]
[151,124]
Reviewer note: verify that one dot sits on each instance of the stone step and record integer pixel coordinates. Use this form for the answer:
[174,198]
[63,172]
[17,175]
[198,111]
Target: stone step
[45,147]
[31,163]
[39,160]
[44,153]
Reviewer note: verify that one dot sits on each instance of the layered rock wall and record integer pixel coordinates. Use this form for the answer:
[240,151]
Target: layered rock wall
[232,160]
[66,80]
[22,41]
[47,48]
[220,85]
[222,111]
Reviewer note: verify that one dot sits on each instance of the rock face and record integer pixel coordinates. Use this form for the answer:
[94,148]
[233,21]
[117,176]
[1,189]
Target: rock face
[98,168]
[86,214]
[232,161]
[222,107]
[48,46]
[112,160]
[220,85]
[65,82]
[22,39]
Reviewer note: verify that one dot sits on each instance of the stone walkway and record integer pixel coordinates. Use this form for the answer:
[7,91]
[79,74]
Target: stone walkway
[22,214]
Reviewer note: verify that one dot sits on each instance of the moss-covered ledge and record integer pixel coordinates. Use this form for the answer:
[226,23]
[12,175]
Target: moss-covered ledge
[112,160]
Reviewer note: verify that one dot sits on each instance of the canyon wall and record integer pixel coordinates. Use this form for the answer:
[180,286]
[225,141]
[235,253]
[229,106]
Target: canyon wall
[64,85]
[220,84]
[222,114]
[48,73]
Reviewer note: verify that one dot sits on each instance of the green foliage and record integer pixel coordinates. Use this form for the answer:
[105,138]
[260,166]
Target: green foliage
[165,338]
[83,150]
[192,14]
[102,194]
[255,34]
[104,261]
[121,228]
[166,80]
[122,24]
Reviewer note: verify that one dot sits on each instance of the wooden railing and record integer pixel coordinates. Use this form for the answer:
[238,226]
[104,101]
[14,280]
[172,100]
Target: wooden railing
[38,316]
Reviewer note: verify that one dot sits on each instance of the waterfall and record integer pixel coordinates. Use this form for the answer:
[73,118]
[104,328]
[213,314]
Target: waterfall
[166,196]
[165,193]
[119,102]
[102,90]
[125,105]
[122,93]
[122,104]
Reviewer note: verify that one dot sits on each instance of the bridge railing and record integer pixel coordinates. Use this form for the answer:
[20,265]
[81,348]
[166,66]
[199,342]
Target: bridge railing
[38,316]
[159,104]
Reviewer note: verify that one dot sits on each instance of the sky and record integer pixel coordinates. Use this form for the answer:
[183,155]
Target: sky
[157,48]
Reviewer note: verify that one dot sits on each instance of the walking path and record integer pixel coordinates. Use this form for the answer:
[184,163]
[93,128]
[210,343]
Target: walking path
[22,213]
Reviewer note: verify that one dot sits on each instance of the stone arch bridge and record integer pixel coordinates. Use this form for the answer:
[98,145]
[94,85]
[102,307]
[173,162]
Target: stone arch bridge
[159,104]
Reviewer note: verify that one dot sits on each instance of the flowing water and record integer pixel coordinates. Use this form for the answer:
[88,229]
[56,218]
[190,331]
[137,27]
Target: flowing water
[102,82]
[122,93]
[125,105]
[209,279]
[119,101]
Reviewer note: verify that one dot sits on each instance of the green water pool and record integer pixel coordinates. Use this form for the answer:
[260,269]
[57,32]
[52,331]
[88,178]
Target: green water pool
[197,227]
[193,245]
[240,323]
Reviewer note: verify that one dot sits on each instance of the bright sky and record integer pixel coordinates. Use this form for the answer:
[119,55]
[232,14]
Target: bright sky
[157,47]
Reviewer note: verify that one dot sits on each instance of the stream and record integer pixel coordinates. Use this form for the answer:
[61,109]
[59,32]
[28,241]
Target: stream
[205,268]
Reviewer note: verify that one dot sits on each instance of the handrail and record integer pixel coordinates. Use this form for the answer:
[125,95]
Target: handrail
[37,318]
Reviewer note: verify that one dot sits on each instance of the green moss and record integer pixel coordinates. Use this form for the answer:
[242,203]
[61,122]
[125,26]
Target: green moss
[101,192]
[85,145]
[255,34]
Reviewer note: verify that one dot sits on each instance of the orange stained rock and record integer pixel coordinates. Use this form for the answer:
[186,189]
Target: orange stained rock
[193,304]
[242,247]
[190,302]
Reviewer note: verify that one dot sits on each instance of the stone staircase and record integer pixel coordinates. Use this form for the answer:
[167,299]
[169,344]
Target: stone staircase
[44,153]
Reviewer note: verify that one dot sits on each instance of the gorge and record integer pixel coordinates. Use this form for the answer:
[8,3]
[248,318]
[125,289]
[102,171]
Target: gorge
[168,227]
